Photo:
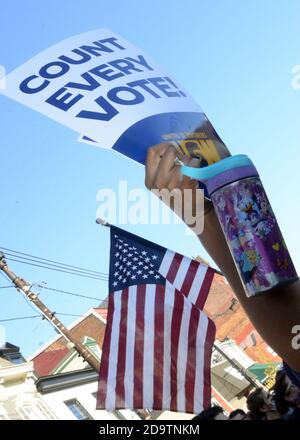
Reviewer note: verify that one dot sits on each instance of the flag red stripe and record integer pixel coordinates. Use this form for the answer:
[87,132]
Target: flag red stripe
[210,337]
[174,266]
[191,360]
[204,288]
[104,365]
[175,333]
[189,278]
[158,371]
[120,388]
[183,272]
[139,347]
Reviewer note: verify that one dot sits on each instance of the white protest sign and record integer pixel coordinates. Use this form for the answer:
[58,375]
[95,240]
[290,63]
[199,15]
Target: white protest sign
[96,83]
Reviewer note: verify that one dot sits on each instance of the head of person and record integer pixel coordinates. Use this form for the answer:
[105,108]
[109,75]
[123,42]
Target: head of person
[237,414]
[213,413]
[259,403]
[287,394]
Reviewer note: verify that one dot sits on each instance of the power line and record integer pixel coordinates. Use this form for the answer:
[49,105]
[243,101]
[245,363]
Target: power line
[12,285]
[22,317]
[57,270]
[7,279]
[37,316]
[5,287]
[90,271]
[70,293]
[52,265]
[27,301]
[49,315]
[57,291]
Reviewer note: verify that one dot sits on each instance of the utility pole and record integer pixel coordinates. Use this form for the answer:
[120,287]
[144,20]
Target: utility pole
[24,287]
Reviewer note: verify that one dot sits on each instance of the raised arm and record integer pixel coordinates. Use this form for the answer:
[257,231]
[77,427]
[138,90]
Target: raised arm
[275,313]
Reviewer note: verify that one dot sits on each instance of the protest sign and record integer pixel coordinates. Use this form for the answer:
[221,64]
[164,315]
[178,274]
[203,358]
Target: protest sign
[105,88]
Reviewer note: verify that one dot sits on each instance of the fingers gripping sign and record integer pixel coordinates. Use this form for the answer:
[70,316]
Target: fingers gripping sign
[162,171]
[180,193]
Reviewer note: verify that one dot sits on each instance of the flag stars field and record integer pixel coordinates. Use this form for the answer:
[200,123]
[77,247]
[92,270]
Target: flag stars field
[149,359]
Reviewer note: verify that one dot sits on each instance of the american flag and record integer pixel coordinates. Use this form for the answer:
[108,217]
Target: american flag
[157,346]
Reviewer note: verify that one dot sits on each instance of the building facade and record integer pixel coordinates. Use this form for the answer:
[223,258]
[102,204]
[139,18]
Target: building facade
[19,398]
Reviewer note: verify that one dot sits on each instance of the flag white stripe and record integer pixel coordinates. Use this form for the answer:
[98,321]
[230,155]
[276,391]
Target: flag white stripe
[130,338]
[148,363]
[199,385]
[182,355]
[166,263]
[197,283]
[168,313]
[181,273]
[113,353]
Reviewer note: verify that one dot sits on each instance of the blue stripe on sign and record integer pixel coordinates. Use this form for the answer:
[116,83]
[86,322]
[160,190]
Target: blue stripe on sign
[135,141]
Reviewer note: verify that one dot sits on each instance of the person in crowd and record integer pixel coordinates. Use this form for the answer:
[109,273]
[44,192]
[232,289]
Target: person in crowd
[238,414]
[261,405]
[287,396]
[215,412]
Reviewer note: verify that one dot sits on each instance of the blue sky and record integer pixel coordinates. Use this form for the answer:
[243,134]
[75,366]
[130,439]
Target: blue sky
[236,60]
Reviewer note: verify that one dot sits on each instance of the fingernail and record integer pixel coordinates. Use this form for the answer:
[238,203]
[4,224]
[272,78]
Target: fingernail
[195,161]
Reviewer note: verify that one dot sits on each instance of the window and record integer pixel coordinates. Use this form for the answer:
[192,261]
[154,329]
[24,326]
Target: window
[92,345]
[253,339]
[34,409]
[45,411]
[29,412]
[15,358]
[78,410]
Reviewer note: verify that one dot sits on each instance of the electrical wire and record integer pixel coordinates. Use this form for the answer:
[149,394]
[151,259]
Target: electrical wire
[7,278]
[18,290]
[92,272]
[70,293]
[103,300]
[57,270]
[9,255]
[38,316]
[22,317]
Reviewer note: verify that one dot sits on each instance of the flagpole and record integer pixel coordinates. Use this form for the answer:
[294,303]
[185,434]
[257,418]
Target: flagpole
[102,222]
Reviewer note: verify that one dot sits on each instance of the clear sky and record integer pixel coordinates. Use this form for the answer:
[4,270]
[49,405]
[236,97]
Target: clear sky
[234,57]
